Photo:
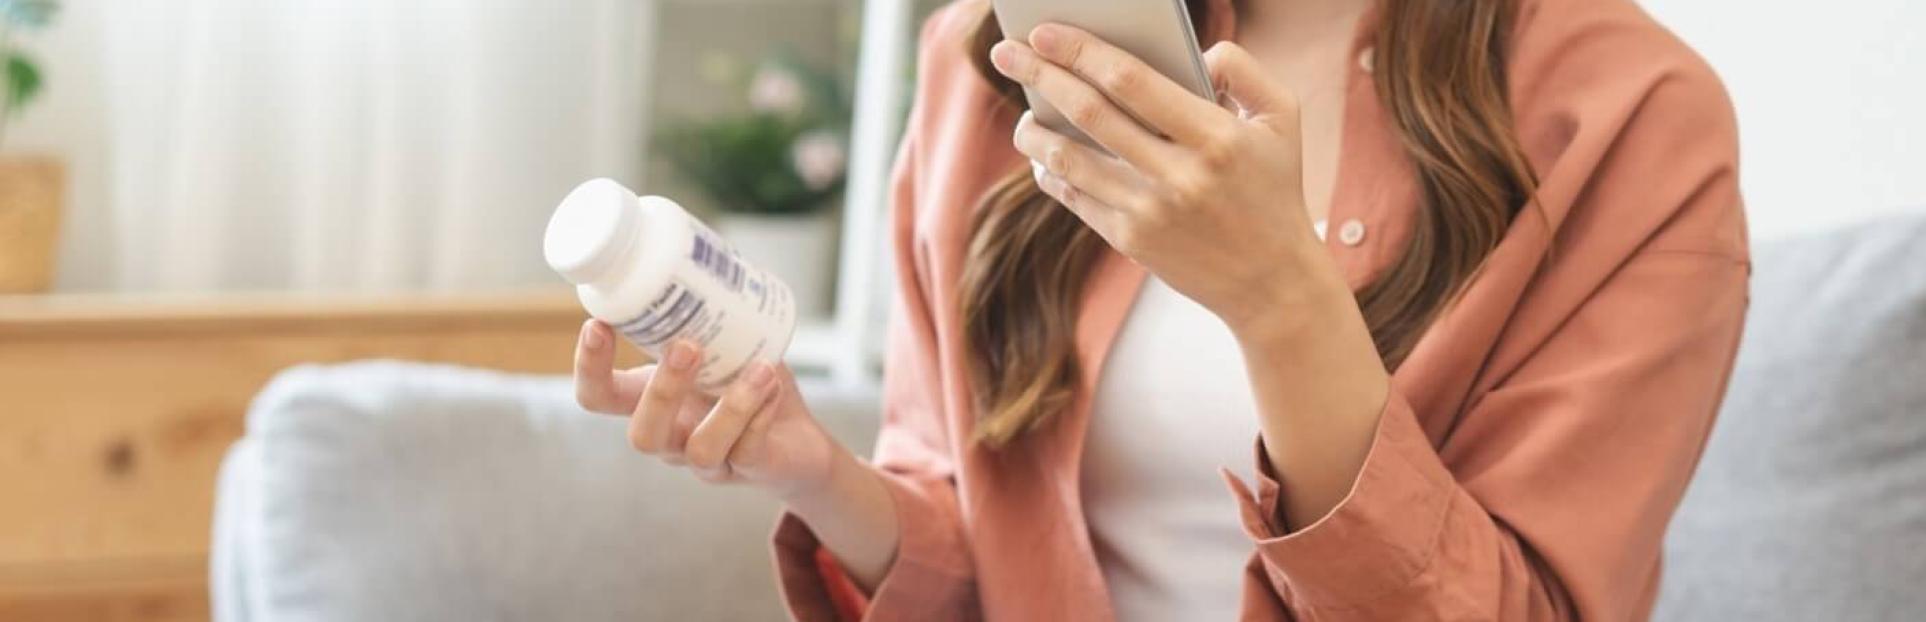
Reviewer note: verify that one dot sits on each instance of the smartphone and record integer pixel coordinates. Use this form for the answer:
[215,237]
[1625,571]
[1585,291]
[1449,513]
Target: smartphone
[1157,31]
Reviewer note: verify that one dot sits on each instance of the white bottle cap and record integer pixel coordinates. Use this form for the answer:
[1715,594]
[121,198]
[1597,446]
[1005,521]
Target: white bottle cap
[591,230]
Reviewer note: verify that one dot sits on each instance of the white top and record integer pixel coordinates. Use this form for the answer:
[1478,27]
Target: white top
[1172,406]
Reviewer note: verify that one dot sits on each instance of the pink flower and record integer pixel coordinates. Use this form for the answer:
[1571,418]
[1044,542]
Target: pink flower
[818,158]
[776,90]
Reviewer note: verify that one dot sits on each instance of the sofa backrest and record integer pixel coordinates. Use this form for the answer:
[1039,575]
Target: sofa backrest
[407,492]
[400,491]
[1810,502]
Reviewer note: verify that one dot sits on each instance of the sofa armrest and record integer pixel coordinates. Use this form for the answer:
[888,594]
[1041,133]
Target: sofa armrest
[234,505]
[399,491]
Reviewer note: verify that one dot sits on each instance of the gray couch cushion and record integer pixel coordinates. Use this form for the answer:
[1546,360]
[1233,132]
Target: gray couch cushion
[390,491]
[1810,503]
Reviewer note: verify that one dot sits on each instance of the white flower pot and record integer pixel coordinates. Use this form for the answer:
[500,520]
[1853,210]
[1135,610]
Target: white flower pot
[800,249]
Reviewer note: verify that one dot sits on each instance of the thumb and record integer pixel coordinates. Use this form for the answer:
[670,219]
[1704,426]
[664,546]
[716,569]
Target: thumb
[1258,96]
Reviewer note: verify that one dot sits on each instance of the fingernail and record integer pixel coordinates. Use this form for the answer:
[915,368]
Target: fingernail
[1004,56]
[681,356]
[760,374]
[592,337]
[1053,186]
[1044,38]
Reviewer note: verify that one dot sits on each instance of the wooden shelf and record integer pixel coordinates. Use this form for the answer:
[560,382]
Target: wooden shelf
[115,413]
[146,590]
[64,316]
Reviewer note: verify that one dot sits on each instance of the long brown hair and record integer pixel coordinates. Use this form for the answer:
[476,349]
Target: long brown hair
[1439,72]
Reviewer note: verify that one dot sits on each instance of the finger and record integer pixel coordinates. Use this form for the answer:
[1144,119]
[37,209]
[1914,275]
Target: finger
[693,410]
[1081,103]
[595,369]
[651,424]
[1169,108]
[1113,183]
[710,443]
[1088,209]
[1107,221]
[1239,76]
[629,384]
[599,387]
[724,475]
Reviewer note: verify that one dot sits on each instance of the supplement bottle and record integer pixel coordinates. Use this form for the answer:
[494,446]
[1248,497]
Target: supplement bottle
[646,267]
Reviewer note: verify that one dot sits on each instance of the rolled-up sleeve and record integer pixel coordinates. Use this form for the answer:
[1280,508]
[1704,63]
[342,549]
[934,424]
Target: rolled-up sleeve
[1397,506]
[931,571]
[1545,496]
[931,577]
[1560,483]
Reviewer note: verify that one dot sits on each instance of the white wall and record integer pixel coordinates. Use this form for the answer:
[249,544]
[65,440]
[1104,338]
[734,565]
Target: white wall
[1831,99]
[72,119]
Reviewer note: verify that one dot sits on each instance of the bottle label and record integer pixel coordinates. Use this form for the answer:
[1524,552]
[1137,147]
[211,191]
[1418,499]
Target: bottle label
[718,293]
[718,260]
[678,312]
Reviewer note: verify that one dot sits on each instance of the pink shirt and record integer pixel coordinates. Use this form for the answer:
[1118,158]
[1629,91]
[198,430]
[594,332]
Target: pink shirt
[1534,446]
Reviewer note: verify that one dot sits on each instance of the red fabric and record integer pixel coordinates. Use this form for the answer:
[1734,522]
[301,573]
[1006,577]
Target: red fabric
[844,594]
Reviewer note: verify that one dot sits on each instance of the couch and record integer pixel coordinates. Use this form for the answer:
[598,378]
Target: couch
[396,491]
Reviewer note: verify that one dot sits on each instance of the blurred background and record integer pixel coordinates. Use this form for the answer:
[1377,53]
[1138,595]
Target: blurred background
[198,194]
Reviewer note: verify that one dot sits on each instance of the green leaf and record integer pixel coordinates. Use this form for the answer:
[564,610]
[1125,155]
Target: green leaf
[742,162]
[23,81]
[828,100]
[29,13]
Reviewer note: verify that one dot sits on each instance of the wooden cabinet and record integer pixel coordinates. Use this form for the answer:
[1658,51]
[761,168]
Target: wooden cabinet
[115,414]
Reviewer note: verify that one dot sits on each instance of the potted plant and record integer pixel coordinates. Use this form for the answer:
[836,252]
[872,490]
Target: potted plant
[30,186]
[773,172]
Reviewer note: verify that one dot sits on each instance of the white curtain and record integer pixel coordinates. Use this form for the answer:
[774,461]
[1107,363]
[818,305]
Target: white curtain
[338,145]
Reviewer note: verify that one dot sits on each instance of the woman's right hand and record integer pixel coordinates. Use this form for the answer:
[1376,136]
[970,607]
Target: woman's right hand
[758,431]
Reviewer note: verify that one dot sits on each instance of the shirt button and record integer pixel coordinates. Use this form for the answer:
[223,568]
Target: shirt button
[1367,59]
[1351,233]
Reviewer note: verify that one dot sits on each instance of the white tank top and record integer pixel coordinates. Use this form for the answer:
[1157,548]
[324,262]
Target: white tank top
[1172,406]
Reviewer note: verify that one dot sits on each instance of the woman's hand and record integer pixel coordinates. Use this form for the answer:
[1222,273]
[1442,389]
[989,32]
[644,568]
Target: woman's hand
[758,431]
[1210,200]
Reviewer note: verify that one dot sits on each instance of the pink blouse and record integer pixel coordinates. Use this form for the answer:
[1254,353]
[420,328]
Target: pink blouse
[1534,446]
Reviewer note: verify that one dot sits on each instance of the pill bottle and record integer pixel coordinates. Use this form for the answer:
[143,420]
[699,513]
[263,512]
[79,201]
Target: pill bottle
[646,267]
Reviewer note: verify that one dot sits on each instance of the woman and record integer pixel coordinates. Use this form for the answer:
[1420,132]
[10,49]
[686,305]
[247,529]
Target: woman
[1480,398]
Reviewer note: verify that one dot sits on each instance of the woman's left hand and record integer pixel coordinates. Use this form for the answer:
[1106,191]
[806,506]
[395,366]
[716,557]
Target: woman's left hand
[1212,202]
[1209,199]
